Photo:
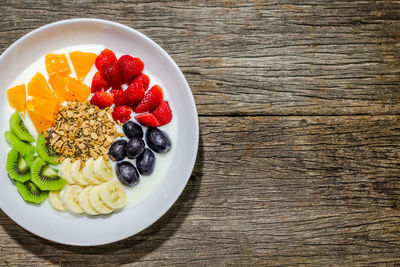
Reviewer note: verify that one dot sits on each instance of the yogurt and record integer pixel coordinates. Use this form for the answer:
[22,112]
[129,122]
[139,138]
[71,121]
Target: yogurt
[146,184]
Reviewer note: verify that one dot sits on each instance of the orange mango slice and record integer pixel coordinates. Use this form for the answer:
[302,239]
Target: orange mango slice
[77,91]
[42,112]
[38,87]
[59,84]
[17,97]
[57,63]
[82,63]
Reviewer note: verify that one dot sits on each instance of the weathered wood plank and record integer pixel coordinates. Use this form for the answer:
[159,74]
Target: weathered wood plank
[255,57]
[265,190]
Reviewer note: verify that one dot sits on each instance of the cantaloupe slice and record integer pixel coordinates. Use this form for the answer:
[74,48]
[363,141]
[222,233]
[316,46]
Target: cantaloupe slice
[38,87]
[59,85]
[77,91]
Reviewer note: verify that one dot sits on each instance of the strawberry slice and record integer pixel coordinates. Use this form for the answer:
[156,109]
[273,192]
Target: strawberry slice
[144,79]
[102,99]
[98,83]
[163,113]
[129,67]
[106,58]
[151,100]
[134,93]
[147,120]
[111,75]
[119,97]
[122,114]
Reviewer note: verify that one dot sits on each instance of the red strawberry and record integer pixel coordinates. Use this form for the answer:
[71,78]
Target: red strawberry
[122,113]
[129,67]
[106,58]
[144,79]
[119,97]
[134,93]
[163,113]
[102,99]
[98,83]
[112,76]
[147,120]
[151,100]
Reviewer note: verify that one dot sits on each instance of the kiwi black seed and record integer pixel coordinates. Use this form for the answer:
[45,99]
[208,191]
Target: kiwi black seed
[45,177]
[22,147]
[31,193]
[17,167]
[46,152]
[18,128]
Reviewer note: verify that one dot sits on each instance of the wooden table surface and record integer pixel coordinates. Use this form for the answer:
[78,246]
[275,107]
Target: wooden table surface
[299,108]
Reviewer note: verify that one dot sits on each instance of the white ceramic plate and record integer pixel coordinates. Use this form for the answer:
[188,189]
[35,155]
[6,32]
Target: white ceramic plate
[85,231]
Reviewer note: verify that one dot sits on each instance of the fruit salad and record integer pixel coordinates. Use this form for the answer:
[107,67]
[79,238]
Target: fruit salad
[90,131]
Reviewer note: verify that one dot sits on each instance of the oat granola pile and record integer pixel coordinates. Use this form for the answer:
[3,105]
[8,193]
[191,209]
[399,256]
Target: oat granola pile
[82,131]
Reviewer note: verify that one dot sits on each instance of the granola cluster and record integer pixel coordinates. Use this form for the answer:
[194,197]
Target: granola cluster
[82,131]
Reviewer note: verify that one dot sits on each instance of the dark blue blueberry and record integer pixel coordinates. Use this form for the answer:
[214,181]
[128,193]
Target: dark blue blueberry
[158,140]
[132,130]
[134,148]
[117,150]
[127,173]
[145,162]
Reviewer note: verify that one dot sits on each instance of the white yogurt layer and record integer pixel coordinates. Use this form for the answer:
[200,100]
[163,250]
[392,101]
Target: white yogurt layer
[163,161]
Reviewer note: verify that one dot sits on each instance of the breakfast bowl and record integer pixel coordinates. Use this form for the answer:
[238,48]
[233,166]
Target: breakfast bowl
[149,199]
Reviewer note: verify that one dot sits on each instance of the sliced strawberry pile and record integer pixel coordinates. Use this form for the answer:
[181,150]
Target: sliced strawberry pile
[98,83]
[102,99]
[122,114]
[114,73]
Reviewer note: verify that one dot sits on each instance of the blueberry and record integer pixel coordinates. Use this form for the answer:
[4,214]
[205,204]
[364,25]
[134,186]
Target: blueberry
[127,173]
[145,162]
[117,150]
[134,148]
[132,129]
[158,140]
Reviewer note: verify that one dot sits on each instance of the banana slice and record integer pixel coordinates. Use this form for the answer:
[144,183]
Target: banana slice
[76,173]
[65,171]
[112,194]
[96,203]
[102,170]
[55,200]
[70,199]
[83,199]
[87,172]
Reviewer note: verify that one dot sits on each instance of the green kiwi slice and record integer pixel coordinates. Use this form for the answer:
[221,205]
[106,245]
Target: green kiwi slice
[21,146]
[44,177]
[30,158]
[18,128]
[31,193]
[46,152]
[17,167]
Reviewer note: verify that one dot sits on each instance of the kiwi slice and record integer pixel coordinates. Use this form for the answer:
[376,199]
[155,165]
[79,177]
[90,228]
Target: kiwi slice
[21,146]
[44,177]
[30,158]
[17,167]
[18,128]
[46,152]
[31,193]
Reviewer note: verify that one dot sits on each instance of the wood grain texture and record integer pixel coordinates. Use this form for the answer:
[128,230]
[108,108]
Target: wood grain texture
[273,191]
[299,150]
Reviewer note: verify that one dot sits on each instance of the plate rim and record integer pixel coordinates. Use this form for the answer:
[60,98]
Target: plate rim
[192,104]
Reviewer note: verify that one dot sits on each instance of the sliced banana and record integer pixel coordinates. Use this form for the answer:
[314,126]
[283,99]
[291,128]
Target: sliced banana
[76,173]
[87,172]
[65,171]
[83,199]
[112,194]
[96,202]
[55,200]
[70,199]
[102,170]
